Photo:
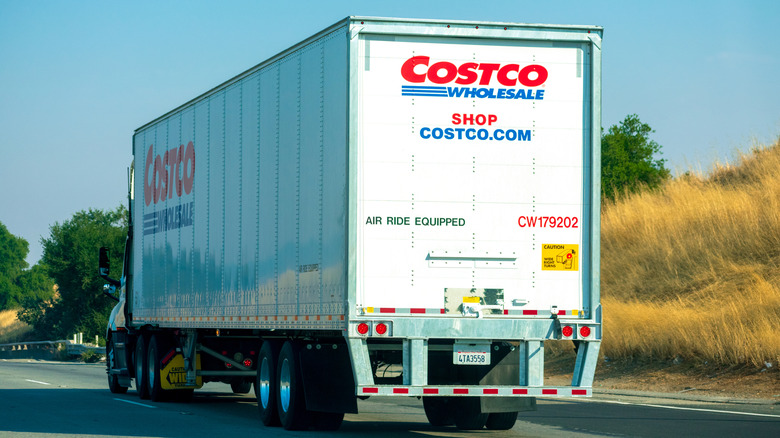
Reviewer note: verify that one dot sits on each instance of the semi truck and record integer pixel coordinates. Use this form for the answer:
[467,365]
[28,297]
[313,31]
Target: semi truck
[389,208]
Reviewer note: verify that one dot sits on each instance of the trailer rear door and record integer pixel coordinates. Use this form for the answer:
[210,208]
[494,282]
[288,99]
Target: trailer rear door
[473,177]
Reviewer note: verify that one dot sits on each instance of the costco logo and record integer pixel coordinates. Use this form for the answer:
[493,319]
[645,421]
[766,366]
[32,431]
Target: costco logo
[166,175]
[172,172]
[419,69]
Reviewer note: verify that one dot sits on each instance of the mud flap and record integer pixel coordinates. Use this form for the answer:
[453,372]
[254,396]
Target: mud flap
[328,383]
[505,372]
[173,375]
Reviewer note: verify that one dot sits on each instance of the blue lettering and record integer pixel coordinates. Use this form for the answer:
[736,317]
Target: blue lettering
[455,92]
[483,134]
[524,135]
[498,134]
[437,133]
[471,134]
[425,133]
[449,133]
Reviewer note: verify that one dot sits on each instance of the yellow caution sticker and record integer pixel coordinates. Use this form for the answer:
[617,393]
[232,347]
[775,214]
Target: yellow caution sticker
[560,257]
[471,300]
[174,375]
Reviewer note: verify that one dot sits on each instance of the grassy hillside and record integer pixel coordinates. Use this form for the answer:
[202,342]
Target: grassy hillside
[693,270]
[11,329]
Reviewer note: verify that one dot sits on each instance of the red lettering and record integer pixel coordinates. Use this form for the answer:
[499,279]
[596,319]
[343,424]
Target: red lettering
[548,221]
[468,73]
[473,119]
[175,168]
[487,72]
[503,75]
[177,174]
[444,72]
[173,158]
[156,183]
[524,77]
[147,185]
[189,163]
[164,176]
[450,71]
[407,70]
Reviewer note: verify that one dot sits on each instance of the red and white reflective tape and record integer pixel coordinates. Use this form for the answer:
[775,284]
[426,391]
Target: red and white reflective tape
[423,311]
[545,313]
[501,391]
[397,310]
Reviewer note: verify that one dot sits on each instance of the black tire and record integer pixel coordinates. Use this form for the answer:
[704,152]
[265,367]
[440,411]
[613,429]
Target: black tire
[242,387]
[290,401]
[501,420]
[153,359]
[469,416]
[328,421]
[113,379]
[266,383]
[139,360]
[439,411]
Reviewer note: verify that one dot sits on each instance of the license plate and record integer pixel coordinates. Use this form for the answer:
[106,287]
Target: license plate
[481,357]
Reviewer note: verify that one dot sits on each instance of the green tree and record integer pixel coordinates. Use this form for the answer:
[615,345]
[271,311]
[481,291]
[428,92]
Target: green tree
[71,254]
[13,251]
[627,159]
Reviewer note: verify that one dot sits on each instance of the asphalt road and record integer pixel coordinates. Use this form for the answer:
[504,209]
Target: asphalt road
[39,398]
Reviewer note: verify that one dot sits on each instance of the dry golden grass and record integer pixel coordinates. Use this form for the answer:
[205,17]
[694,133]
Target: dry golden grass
[11,329]
[694,269]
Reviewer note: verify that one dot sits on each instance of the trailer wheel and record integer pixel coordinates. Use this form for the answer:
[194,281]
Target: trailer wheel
[469,416]
[139,360]
[291,403]
[439,410]
[113,379]
[266,383]
[501,420]
[154,357]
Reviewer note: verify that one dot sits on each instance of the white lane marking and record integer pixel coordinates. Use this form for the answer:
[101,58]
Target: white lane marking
[35,381]
[681,408]
[135,403]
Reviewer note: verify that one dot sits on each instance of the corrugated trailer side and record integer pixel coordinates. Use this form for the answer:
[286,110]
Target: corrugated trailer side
[241,199]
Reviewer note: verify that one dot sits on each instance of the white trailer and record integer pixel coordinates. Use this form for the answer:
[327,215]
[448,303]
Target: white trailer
[388,208]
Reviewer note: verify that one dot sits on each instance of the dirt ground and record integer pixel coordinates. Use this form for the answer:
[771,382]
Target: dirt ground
[673,377]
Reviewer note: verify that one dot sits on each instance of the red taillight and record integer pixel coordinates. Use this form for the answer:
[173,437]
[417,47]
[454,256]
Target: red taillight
[584,332]
[248,363]
[228,365]
[362,328]
[381,328]
[567,331]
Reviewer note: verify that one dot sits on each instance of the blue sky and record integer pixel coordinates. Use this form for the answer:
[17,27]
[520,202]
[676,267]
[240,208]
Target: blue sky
[77,77]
